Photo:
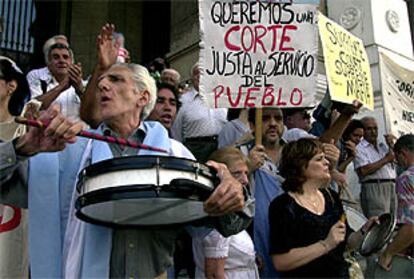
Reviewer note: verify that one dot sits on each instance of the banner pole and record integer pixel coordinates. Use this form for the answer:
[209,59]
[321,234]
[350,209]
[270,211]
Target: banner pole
[258,126]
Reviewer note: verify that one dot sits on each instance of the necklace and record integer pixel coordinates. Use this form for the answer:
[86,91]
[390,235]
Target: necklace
[309,203]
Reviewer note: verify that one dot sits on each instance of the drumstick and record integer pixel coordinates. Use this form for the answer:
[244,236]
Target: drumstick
[86,134]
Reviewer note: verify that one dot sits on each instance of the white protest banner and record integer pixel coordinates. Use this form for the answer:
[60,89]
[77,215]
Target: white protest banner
[258,53]
[398,93]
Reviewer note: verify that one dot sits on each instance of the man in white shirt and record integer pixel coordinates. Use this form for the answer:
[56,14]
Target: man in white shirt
[37,75]
[197,125]
[373,163]
[60,82]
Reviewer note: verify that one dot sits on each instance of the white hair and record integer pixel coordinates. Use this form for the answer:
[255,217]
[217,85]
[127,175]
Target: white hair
[365,119]
[50,42]
[143,81]
[173,72]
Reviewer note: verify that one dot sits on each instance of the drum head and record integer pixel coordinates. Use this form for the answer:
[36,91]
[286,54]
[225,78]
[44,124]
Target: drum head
[355,218]
[378,235]
[139,212]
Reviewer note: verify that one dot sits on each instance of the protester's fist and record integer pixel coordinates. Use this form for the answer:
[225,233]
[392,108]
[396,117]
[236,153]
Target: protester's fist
[257,157]
[107,51]
[351,109]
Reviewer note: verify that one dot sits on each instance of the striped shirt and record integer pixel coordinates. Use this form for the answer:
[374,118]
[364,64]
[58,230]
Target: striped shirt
[368,154]
[196,119]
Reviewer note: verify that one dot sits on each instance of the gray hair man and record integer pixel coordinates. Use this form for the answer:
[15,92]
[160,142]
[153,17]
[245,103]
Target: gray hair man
[125,94]
[60,81]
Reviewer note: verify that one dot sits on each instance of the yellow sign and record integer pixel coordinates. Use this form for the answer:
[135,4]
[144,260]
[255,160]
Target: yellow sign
[346,63]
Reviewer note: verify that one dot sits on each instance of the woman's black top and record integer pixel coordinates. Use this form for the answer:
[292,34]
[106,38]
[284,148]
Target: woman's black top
[293,226]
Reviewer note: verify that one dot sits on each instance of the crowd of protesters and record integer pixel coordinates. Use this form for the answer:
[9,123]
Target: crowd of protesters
[290,187]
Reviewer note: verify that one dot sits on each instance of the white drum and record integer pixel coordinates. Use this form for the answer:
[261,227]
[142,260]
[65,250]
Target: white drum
[144,191]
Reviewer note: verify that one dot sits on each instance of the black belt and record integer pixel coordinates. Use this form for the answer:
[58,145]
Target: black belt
[210,138]
[379,180]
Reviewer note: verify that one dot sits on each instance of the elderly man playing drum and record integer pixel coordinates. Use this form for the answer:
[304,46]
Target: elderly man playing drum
[63,246]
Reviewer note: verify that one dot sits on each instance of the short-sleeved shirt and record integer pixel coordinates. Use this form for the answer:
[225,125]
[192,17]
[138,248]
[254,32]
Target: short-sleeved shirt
[293,226]
[405,193]
[368,154]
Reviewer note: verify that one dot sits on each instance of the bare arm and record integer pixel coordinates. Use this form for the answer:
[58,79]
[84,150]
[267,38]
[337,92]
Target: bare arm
[338,127]
[214,268]
[403,239]
[355,239]
[51,95]
[298,257]
[89,108]
[350,148]
[107,52]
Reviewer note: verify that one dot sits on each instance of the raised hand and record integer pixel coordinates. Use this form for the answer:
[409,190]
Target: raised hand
[351,148]
[75,77]
[107,51]
[331,153]
[351,109]
[390,140]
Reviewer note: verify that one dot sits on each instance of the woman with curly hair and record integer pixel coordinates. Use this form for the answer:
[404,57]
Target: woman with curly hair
[308,231]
